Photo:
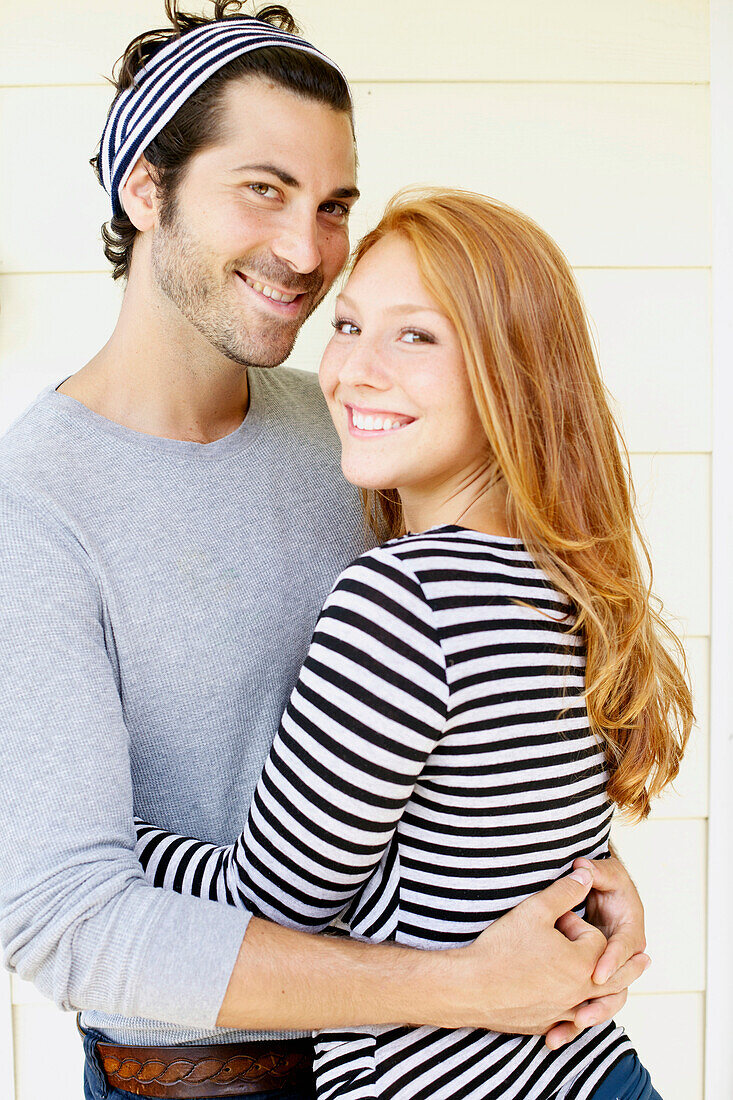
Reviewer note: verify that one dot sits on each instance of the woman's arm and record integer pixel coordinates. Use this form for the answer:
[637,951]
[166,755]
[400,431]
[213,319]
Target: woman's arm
[367,711]
[369,659]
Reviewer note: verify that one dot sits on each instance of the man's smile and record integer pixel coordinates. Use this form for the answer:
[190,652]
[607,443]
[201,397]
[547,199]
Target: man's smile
[280,301]
[269,291]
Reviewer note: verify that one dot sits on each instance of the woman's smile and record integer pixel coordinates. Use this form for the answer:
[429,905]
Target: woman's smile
[368,423]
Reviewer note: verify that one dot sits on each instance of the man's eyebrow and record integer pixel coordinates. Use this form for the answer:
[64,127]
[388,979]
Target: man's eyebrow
[272,170]
[291,181]
[346,193]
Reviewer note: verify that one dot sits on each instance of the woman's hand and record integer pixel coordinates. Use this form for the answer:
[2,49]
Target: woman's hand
[536,975]
[615,908]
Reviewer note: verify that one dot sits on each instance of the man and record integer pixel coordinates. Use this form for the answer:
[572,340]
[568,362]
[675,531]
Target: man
[172,517]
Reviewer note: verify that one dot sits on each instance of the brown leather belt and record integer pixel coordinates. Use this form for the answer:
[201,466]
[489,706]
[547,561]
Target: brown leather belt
[195,1072]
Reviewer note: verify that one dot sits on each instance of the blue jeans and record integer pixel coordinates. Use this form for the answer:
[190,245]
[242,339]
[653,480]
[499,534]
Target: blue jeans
[628,1080]
[96,1087]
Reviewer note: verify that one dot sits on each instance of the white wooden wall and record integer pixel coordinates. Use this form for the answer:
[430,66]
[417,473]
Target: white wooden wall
[593,117]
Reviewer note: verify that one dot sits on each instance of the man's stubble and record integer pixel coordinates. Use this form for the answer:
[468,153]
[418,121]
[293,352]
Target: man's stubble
[183,272]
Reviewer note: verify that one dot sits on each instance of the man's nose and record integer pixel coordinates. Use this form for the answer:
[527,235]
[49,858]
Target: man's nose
[298,244]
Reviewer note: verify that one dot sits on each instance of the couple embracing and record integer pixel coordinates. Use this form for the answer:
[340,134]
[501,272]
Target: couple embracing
[486,680]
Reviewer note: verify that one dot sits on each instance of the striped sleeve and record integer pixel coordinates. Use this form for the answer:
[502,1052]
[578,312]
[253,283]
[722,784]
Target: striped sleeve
[368,709]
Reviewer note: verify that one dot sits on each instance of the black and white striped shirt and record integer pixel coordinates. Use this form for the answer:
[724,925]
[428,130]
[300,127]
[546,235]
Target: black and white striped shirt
[434,767]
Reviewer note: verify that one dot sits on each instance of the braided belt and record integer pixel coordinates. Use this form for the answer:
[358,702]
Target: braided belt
[195,1072]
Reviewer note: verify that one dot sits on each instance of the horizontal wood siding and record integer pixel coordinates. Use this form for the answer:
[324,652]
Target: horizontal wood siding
[591,117]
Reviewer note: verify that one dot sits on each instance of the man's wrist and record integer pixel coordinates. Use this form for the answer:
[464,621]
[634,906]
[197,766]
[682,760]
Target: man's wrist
[292,981]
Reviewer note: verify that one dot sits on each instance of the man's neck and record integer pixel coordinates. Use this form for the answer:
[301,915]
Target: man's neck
[158,375]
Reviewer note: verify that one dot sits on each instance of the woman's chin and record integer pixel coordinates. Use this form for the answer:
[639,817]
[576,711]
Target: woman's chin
[364,478]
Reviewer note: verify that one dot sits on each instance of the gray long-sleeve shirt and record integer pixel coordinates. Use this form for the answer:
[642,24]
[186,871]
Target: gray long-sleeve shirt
[157,598]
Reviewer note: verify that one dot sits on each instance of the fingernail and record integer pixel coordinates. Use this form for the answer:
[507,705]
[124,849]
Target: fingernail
[581,874]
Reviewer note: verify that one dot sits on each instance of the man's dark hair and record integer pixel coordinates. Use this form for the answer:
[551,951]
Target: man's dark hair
[196,124]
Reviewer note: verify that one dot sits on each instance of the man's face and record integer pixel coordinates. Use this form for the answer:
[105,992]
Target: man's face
[257,230]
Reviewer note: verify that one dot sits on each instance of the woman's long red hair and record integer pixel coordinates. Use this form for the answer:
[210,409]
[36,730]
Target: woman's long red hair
[512,297]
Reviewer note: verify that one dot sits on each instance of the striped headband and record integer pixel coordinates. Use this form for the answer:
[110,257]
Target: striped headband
[170,77]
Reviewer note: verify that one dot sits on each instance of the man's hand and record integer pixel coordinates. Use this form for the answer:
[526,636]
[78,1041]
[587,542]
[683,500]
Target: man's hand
[615,908]
[537,974]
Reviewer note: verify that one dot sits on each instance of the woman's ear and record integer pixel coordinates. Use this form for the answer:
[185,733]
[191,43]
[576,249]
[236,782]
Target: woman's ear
[139,196]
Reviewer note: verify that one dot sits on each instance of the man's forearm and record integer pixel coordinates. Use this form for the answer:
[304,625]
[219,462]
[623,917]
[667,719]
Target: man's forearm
[291,980]
[520,976]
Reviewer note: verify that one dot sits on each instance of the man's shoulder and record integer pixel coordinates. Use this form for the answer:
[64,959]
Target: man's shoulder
[32,447]
[290,380]
[291,388]
[293,398]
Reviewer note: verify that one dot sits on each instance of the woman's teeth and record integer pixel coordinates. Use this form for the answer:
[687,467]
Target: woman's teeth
[376,423]
[268,291]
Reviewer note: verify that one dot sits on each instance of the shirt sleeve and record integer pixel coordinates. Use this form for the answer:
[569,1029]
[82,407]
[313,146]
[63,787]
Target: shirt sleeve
[77,917]
[369,707]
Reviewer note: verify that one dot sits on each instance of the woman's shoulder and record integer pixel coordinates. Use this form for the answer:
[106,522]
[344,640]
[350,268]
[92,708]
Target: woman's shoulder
[449,567]
[445,554]
[449,543]
[448,548]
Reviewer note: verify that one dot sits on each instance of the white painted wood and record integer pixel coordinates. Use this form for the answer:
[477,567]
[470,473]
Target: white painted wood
[608,40]
[620,176]
[7,1043]
[719,1048]
[51,206]
[62,1048]
[25,993]
[51,325]
[668,1032]
[653,332]
[674,503]
[605,169]
[667,860]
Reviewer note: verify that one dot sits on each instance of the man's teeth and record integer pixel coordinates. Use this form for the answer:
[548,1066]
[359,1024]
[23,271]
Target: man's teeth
[268,291]
[375,423]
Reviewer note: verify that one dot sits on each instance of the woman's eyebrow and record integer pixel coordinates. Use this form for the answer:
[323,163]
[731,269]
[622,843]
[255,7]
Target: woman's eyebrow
[400,307]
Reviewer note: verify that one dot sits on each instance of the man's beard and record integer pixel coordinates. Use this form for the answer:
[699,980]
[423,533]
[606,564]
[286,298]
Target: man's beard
[181,271]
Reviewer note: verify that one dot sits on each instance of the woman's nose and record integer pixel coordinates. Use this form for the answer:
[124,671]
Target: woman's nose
[364,366]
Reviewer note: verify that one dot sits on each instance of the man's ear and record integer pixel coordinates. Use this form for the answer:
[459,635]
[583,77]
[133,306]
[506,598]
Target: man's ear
[139,196]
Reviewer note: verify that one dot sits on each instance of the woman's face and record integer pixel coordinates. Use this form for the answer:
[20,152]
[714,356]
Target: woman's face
[396,384]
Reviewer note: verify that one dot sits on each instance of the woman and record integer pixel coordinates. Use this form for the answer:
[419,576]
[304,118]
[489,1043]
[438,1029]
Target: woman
[481,689]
